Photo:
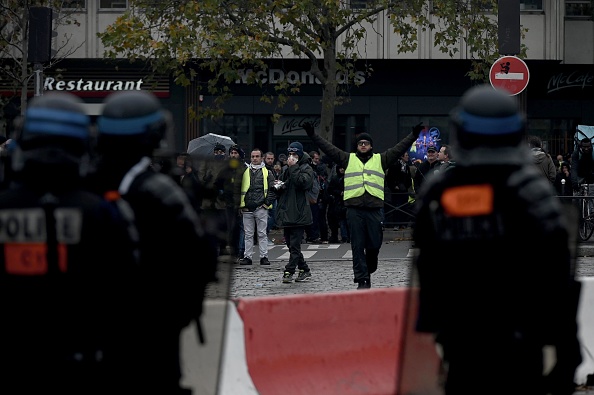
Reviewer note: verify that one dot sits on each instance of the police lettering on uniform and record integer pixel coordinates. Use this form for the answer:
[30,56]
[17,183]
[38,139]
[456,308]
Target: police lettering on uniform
[66,261]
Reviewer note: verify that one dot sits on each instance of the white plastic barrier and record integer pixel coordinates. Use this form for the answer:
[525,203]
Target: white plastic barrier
[202,362]
[586,329]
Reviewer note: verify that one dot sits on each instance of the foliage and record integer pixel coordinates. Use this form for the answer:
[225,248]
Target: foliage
[223,37]
[15,70]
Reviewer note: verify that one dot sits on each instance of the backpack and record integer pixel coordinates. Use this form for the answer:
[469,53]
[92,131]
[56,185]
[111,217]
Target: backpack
[314,191]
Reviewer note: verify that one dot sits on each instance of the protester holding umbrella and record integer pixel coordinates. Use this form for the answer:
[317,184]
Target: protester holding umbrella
[204,145]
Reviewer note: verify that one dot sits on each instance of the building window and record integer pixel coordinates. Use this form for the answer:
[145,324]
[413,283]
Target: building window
[579,8]
[74,4]
[358,4]
[530,5]
[113,4]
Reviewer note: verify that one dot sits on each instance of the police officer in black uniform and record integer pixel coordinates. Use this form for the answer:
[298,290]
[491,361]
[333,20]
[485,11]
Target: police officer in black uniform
[494,262]
[65,260]
[176,259]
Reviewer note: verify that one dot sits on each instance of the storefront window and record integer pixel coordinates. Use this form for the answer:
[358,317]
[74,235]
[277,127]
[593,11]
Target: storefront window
[556,134]
[435,133]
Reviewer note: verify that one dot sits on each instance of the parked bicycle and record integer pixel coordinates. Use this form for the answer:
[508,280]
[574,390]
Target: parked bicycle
[586,210]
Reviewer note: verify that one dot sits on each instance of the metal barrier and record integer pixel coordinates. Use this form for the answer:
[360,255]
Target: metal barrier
[391,209]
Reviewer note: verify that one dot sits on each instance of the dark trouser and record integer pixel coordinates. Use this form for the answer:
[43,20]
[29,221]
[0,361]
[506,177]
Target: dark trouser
[322,220]
[293,236]
[233,229]
[365,228]
[313,231]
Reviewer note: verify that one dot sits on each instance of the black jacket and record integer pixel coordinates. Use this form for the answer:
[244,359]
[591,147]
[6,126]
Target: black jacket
[254,196]
[495,235]
[423,172]
[66,288]
[293,207]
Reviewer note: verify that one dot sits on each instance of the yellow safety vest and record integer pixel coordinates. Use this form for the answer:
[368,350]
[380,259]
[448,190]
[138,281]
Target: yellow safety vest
[411,198]
[245,185]
[360,177]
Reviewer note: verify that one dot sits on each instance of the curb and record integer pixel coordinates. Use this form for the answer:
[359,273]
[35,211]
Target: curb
[585,250]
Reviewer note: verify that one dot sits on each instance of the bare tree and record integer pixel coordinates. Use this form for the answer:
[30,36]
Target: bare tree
[15,71]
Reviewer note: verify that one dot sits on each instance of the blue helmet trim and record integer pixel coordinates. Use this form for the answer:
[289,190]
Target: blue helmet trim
[57,122]
[490,126]
[127,126]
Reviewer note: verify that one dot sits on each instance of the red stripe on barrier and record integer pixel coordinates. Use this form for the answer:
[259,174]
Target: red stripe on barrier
[333,343]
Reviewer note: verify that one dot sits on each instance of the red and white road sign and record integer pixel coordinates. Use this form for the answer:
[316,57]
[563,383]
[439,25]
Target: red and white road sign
[510,74]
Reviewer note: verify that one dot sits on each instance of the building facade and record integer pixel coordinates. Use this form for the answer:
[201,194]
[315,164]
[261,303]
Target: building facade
[403,90]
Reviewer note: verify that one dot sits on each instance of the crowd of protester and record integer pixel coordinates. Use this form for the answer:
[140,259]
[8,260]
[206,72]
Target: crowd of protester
[121,213]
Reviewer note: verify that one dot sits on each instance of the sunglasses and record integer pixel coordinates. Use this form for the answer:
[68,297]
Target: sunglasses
[291,149]
[363,143]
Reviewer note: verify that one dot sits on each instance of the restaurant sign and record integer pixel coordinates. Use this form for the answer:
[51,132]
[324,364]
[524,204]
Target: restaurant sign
[81,85]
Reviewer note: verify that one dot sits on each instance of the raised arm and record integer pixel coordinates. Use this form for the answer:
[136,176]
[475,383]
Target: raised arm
[336,154]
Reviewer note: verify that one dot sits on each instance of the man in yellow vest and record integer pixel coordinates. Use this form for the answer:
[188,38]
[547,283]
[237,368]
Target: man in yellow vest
[364,194]
[257,196]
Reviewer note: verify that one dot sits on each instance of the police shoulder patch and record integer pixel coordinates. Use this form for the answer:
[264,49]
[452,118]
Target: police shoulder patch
[468,200]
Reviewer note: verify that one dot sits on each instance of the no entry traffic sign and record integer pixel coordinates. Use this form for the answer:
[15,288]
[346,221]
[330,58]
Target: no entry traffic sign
[510,74]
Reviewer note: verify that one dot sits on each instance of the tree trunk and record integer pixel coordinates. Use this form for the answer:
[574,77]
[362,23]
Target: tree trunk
[329,93]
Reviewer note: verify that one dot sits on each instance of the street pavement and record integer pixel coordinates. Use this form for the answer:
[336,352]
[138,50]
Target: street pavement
[331,268]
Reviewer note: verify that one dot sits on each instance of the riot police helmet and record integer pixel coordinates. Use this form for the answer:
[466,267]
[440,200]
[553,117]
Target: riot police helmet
[133,122]
[487,117]
[55,130]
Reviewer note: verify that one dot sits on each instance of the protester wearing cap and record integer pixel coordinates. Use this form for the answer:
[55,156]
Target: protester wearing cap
[426,168]
[292,213]
[364,194]
[468,220]
[219,151]
[63,250]
[237,152]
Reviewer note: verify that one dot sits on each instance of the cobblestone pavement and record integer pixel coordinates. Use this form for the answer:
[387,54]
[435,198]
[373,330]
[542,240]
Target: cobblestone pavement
[327,276]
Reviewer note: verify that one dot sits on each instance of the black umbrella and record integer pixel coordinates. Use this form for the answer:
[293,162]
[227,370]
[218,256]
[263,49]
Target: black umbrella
[204,145]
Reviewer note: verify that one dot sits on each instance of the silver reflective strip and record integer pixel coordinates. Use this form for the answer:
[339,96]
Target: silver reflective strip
[355,174]
[351,187]
[375,173]
[374,185]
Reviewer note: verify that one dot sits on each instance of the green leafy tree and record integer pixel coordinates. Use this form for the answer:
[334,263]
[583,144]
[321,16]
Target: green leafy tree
[224,37]
[15,70]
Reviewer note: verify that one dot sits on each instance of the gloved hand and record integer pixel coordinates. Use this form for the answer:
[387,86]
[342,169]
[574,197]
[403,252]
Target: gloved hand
[417,129]
[309,128]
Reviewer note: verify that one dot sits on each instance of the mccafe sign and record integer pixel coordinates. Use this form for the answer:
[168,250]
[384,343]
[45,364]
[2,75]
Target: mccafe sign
[572,79]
